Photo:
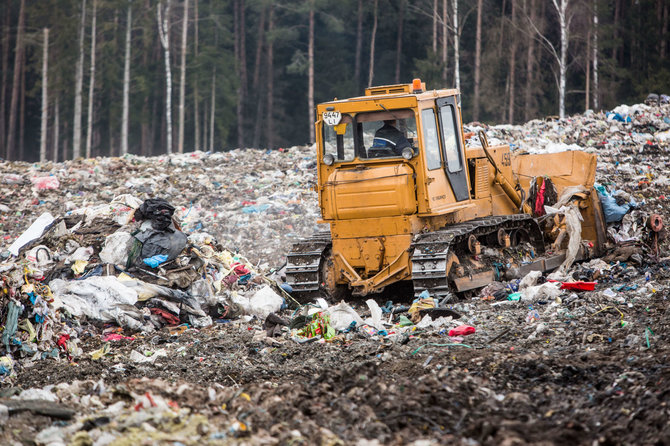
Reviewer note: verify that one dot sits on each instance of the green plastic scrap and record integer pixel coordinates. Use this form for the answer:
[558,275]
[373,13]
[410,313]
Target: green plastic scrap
[646,336]
[514,296]
[11,324]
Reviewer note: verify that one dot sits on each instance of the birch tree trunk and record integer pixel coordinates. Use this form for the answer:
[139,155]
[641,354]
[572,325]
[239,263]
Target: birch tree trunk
[126,83]
[164,34]
[444,42]
[18,62]
[56,129]
[3,83]
[196,95]
[243,48]
[310,73]
[359,45]
[45,96]
[182,85]
[561,8]
[91,85]
[212,112]
[398,54]
[79,84]
[512,65]
[478,59]
[596,104]
[205,138]
[241,74]
[457,75]
[434,26]
[529,65]
[371,74]
[587,77]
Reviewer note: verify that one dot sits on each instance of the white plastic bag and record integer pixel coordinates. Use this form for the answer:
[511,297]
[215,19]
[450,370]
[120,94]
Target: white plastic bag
[375,319]
[116,248]
[342,315]
[264,302]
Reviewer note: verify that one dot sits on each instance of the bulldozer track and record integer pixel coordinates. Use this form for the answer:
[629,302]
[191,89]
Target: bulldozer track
[430,250]
[303,264]
[429,258]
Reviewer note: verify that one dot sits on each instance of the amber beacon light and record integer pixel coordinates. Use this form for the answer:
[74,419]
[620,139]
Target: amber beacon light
[416,86]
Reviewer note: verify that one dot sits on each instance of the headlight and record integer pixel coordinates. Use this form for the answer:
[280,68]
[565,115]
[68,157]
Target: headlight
[408,153]
[328,159]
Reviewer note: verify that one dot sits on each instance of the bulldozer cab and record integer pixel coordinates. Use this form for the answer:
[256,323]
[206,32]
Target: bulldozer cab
[429,126]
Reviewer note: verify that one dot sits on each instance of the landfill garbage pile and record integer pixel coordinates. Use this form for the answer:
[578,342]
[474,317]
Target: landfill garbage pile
[124,322]
[255,201]
[122,266]
[632,144]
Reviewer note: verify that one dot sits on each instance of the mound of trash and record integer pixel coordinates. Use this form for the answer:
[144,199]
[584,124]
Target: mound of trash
[139,302]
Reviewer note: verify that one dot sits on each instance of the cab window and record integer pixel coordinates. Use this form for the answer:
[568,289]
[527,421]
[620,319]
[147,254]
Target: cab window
[338,140]
[450,138]
[430,139]
[375,143]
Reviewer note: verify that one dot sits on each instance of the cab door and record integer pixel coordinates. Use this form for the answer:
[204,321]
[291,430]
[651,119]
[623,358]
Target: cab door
[452,146]
[439,195]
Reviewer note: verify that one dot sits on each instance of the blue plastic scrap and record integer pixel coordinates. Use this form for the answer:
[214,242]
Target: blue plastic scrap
[613,211]
[156,260]
[618,117]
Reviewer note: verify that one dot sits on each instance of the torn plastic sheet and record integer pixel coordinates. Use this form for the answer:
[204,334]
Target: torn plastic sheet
[146,291]
[34,232]
[95,297]
[573,227]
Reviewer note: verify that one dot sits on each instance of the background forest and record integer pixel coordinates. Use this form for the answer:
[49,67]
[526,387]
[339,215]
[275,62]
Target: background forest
[108,77]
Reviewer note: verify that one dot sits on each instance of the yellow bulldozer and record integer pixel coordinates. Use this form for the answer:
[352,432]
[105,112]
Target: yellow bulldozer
[446,213]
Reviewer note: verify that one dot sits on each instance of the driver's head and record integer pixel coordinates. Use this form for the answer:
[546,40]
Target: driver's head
[390,122]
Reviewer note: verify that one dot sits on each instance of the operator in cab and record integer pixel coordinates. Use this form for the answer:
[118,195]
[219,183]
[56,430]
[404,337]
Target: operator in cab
[389,137]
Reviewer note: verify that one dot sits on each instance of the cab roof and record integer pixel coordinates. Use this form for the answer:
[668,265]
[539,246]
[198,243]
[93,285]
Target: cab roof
[396,91]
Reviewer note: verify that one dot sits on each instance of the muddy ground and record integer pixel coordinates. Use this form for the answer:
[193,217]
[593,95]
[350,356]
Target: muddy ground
[582,381]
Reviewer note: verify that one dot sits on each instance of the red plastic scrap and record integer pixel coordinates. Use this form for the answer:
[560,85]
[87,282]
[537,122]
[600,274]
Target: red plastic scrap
[151,399]
[539,201]
[62,341]
[116,337]
[578,286]
[170,318]
[462,330]
[240,269]
[62,344]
